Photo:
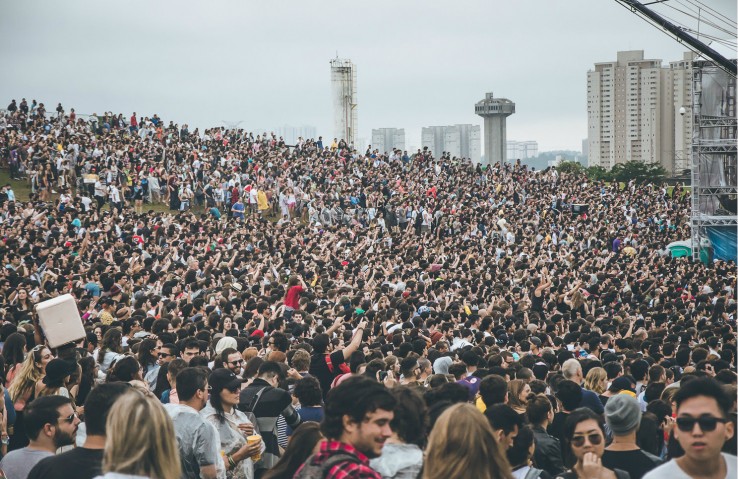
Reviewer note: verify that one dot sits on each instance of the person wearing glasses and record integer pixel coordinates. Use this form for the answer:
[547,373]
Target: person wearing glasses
[585,434]
[23,390]
[50,423]
[233,361]
[702,428]
[233,425]
[167,354]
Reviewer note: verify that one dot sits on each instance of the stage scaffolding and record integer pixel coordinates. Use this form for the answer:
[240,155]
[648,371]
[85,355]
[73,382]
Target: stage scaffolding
[713,159]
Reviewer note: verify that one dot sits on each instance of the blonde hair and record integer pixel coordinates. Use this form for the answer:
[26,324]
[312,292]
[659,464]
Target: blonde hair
[141,439]
[28,375]
[462,444]
[594,378]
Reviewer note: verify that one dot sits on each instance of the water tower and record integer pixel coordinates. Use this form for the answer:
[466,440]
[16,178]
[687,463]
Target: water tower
[495,112]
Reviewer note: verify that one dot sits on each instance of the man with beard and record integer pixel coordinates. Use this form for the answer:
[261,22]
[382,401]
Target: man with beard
[85,461]
[356,425]
[50,423]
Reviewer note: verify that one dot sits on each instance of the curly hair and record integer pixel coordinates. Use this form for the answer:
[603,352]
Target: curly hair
[308,392]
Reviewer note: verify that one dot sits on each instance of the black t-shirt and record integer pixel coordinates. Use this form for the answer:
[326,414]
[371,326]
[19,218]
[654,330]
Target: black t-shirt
[319,369]
[86,464]
[637,463]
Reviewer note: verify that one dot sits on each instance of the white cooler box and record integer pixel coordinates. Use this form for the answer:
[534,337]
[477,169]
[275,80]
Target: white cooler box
[60,320]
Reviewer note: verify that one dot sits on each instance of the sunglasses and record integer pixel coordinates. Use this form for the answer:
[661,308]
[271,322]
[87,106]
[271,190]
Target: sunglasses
[707,423]
[71,418]
[238,361]
[165,355]
[578,441]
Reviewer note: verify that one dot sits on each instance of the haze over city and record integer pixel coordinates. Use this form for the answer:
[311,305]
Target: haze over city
[266,63]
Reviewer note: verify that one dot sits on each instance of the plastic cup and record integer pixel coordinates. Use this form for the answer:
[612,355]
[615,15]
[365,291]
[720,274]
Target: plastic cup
[251,440]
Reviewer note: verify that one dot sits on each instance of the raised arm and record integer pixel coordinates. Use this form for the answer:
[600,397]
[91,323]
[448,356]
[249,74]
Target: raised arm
[355,341]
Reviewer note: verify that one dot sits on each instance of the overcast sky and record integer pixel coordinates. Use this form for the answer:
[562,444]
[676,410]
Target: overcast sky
[420,63]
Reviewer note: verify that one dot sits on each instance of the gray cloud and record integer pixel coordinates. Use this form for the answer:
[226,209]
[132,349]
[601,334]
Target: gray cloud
[266,63]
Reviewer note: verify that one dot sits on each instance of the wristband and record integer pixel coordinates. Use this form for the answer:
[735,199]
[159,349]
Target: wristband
[231,461]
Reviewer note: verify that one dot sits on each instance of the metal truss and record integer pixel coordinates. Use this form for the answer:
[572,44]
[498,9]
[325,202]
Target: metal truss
[707,198]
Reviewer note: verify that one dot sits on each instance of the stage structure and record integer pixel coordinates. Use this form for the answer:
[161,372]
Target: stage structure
[714,220]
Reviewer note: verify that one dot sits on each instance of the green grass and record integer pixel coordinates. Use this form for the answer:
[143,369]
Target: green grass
[22,190]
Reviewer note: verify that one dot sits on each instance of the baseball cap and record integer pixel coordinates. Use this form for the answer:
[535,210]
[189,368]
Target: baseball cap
[224,379]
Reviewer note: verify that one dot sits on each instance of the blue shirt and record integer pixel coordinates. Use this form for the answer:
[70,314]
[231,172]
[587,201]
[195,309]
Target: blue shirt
[310,413]
[592,401]
[93,288]
[238,210]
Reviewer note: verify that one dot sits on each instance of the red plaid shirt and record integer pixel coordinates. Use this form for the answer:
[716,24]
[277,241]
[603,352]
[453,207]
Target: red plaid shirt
[346,469]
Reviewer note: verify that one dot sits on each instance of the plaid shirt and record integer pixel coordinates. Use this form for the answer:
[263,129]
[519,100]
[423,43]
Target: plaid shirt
[346,469]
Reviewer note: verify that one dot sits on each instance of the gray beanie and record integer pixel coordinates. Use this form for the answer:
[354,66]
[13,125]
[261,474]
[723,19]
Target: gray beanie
[623,414]
[440,365]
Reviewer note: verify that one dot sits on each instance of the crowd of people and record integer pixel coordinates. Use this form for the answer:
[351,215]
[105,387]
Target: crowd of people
[261,310]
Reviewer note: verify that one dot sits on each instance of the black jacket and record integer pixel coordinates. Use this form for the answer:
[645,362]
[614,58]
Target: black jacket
[271,403]
[548,452]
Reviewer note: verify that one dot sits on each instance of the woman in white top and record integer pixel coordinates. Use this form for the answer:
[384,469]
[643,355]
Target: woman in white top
[233,425]
[110,350]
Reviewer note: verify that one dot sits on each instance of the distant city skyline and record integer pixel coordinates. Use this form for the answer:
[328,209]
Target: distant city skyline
[262,75]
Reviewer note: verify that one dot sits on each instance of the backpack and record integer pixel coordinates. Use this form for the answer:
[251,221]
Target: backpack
[313,471]
[343,366]
[248,409]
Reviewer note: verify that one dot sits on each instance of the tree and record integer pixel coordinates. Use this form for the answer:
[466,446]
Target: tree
[598,173]
[570,167]
[638,171]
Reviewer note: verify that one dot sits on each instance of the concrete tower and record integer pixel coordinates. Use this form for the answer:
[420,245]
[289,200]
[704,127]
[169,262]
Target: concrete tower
[343,88]
[494,111]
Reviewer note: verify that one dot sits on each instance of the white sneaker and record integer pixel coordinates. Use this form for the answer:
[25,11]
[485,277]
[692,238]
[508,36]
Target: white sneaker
[53,191]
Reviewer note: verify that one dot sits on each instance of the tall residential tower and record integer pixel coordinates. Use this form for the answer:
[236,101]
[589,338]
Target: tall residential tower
[633,112]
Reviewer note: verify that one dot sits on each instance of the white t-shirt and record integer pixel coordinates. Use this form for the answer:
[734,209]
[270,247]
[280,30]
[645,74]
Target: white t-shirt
[672,470]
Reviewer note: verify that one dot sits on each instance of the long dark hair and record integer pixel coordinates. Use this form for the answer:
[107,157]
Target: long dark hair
[13,350]
[87,380]
[123,370]
[217,404]
[111,341]
[145,358]
[300,448]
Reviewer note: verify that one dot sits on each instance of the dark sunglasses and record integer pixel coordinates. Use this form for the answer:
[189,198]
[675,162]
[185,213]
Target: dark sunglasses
[237,361]
[578,441]
[71,418]
[165,355]
[707,423]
